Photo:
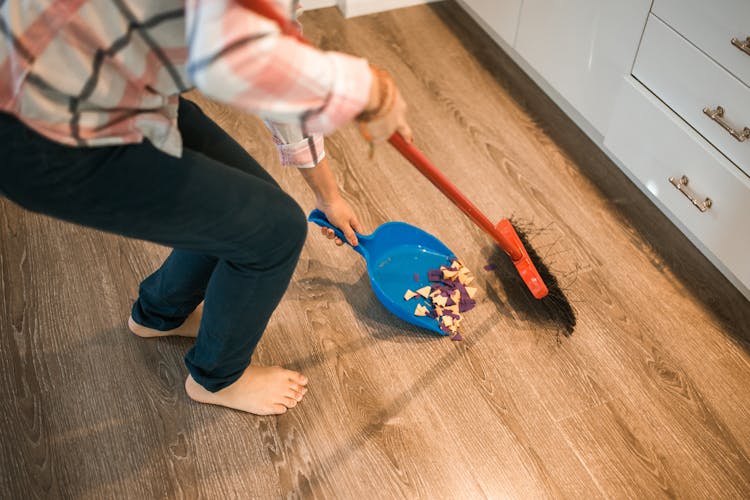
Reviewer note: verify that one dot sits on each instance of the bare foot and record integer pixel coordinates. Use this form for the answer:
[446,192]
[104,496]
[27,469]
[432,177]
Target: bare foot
[263,390]
[188,329]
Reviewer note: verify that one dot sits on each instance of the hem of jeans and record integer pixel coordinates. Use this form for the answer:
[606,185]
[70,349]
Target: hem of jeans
[138,319]
[212,385]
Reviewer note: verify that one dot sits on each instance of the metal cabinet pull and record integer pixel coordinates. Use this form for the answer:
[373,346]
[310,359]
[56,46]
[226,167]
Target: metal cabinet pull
[717,115]
[743,46]
[681,185]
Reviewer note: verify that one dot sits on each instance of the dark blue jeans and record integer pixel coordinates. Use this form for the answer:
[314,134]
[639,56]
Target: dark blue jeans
[237,236]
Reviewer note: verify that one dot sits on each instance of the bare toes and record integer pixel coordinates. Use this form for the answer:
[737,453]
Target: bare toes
[289,402]
[297,395]
[298,378]
[277,409]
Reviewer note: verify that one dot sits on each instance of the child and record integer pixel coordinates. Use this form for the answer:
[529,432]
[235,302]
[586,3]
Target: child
[93,131]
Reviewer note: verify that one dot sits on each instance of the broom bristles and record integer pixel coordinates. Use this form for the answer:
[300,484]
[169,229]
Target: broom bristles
[560,309]
[555,309]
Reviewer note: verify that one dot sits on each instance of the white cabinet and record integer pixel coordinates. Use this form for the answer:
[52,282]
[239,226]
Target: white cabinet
[689,82]
[675,57]
[712,27]
[659,150]
[501,16]
[583,49]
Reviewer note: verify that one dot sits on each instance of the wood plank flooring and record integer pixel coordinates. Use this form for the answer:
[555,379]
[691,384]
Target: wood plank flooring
[648,398]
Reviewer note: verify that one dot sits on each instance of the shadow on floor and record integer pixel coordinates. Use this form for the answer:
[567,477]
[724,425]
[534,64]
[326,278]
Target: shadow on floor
[554,313]
[362,433]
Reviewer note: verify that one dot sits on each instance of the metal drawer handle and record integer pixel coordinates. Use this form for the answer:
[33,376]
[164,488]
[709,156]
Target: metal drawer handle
[743,46]
[681,185]
[717,115]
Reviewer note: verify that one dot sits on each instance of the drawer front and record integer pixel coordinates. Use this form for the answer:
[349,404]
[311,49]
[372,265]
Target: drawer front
[654,144]
[688,81]
[710,26]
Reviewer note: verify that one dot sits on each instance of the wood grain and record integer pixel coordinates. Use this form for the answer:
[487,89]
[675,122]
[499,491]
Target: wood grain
[648,398]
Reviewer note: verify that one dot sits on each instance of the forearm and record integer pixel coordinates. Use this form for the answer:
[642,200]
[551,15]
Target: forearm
[328,199]
[241,58]
[322,182]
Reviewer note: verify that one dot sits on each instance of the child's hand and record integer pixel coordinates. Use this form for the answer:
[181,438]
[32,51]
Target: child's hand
[341,215]
[385,112]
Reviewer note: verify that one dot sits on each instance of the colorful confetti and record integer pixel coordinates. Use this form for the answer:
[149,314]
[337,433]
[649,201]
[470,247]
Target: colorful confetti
[447,296]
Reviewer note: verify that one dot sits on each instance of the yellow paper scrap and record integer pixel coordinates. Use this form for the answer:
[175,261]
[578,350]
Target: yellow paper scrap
[440,300]
[420,310]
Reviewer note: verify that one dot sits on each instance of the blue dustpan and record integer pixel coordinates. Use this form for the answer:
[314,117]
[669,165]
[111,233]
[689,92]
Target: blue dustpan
[394,253]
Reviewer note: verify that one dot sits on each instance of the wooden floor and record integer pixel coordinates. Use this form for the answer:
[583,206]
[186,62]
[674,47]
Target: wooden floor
[650,397]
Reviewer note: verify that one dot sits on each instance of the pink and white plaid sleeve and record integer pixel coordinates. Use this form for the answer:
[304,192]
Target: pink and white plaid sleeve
[295,149]
[240,58]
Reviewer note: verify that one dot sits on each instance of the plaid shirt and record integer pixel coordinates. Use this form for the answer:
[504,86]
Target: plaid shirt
[106,72]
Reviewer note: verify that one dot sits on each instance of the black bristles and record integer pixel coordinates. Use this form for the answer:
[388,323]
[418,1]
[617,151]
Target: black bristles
[554,310]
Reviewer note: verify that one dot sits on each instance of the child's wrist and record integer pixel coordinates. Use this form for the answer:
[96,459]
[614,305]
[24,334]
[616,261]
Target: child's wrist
[374,99]
[381,96]
[328,199]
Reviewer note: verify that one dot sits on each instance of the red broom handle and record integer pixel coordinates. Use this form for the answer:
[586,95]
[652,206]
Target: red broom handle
[420,161]
[269,11]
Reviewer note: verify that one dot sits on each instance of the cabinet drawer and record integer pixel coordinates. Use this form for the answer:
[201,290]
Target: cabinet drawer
[710,26]
[688,81]
[655,144]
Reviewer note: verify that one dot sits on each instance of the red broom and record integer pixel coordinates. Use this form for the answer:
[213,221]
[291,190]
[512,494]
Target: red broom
[503,233]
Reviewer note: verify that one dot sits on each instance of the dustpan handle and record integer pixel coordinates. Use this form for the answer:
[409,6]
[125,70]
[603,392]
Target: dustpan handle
[420,161]
[319,218]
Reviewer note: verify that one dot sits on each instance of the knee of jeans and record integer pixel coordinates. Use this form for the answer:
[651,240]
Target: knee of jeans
[295,222]
[284,233]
